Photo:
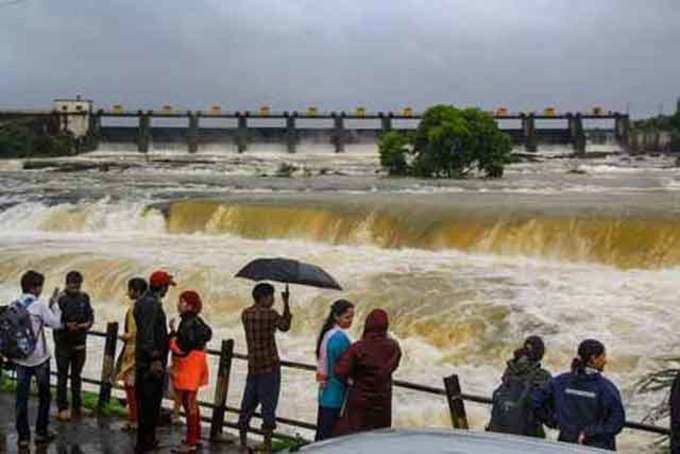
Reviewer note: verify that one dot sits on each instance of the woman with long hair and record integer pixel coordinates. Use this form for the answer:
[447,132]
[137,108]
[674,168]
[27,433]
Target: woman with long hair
[332,342]
[512,410]
[582,404]
[369,364]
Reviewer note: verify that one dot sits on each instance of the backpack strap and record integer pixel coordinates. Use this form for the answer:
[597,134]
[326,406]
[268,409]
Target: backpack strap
[42,330]
[41,327]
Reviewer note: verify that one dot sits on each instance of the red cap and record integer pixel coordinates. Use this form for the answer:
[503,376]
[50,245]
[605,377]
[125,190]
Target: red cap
[161,278]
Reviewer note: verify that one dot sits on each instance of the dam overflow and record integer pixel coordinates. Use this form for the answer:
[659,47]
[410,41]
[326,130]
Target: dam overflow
[242,129]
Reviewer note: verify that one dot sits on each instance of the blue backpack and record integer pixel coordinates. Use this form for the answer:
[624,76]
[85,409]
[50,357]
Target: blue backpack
[17,339]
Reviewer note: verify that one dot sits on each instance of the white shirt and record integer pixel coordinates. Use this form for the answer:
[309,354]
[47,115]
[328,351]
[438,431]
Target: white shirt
[41,316]
[322,362]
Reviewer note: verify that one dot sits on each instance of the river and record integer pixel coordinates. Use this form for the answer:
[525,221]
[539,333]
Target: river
[563,248]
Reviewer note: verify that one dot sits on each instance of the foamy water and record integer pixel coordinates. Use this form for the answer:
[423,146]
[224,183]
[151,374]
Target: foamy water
[458,304]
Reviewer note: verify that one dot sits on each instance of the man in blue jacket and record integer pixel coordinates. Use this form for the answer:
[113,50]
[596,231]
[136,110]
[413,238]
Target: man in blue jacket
[585,406]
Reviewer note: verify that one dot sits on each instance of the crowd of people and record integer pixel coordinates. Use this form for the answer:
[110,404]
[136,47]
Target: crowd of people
[354,378]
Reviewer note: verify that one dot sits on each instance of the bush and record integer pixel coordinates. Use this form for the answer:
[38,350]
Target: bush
[394,148]
[28,138]
[448,143]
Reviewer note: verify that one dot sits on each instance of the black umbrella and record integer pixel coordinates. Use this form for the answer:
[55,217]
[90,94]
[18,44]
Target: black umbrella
[288,271]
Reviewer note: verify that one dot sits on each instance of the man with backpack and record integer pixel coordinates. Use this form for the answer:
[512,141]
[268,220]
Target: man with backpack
[25,321]
[69,344]
[512,409]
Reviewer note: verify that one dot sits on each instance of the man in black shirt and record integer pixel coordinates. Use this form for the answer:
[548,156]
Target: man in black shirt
[151,353]
[77,318]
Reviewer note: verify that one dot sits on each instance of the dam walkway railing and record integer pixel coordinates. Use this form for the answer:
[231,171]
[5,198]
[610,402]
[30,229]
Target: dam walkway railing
[451,392]
[241,129]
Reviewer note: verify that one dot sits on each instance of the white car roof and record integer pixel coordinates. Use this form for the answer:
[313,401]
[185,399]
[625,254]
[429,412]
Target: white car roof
[403,441]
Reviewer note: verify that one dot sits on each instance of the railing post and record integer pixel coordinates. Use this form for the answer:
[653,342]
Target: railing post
[456,404]
[221,388]
[108,362]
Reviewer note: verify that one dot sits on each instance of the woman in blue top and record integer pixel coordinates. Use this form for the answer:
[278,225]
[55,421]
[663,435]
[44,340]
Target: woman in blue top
[582,404]
[331,344]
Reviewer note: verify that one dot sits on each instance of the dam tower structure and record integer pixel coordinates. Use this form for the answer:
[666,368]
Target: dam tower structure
[75,115]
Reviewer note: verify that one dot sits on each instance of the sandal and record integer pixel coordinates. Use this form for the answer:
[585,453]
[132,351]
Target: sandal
[185,449]
[129,427]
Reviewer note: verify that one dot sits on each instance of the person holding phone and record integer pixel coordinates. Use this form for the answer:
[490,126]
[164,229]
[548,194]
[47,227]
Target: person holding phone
[37,364]
[70,349]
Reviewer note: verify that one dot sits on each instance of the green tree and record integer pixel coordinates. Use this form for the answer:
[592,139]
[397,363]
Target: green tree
[675,122]
[394,150]
[28,138]
[448,143]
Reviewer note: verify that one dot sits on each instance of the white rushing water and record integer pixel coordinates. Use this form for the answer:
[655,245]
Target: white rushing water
[461,294]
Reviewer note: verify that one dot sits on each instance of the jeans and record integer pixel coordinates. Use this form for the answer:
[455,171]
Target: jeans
[325,422]
[261,389]
[149,390]
[69,358]
[42,377]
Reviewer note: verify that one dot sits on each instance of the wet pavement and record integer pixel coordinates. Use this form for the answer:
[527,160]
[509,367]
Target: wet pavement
[92,435]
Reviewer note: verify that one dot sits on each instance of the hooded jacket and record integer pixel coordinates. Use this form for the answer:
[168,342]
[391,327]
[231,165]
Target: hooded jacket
[582,402]
[531,373]
[525,369]
[369,363]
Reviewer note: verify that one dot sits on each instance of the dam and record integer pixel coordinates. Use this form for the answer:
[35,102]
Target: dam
[239,130]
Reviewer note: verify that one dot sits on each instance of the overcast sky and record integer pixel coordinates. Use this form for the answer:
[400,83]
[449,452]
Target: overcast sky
[337,54]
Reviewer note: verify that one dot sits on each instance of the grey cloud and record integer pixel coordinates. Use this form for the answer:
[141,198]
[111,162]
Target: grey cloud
[383,54]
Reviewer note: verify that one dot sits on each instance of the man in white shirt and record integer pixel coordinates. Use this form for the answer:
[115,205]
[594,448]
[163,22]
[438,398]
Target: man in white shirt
[37,363]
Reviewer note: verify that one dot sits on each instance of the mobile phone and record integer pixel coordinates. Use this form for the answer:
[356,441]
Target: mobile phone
[55,295]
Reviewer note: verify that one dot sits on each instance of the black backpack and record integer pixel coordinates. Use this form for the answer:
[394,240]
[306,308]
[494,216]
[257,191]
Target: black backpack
[17,339]
[512,410]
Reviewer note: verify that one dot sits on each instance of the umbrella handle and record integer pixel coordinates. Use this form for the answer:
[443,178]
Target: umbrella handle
[287,291]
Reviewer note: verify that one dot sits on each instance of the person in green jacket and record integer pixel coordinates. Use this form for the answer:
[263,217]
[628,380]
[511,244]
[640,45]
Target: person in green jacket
[512,410]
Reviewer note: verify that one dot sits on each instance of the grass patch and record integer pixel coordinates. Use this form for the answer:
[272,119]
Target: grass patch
[90,399]
[290,445]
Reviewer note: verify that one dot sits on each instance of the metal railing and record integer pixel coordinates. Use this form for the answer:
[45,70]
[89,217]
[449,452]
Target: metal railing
[451,392]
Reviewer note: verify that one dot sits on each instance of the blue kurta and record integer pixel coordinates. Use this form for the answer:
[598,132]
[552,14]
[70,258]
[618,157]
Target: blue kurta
[333,394]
